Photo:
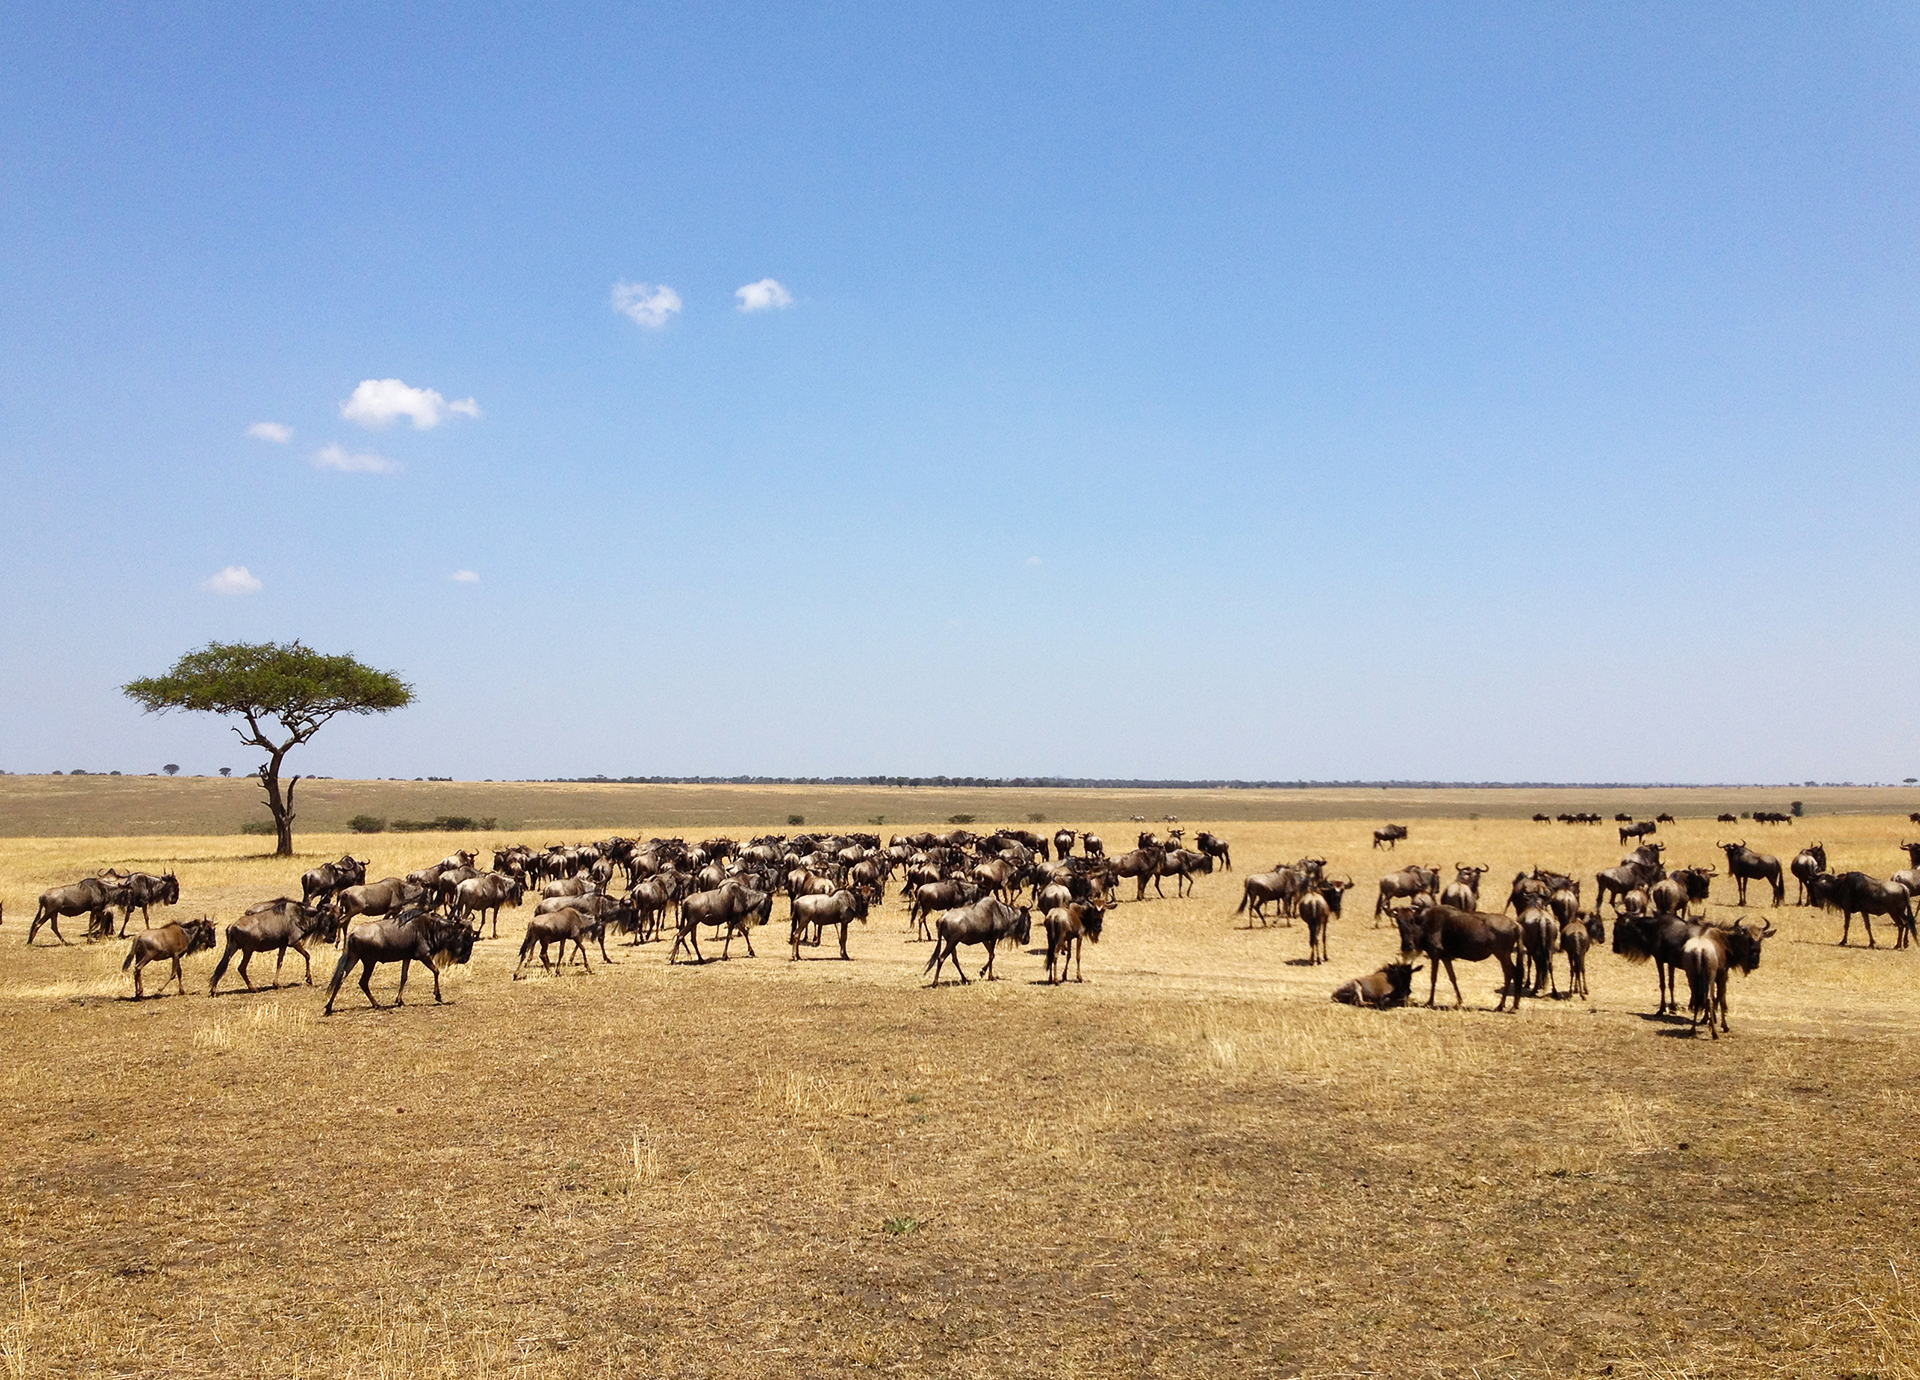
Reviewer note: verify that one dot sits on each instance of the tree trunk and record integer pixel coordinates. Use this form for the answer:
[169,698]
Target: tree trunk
[280,805]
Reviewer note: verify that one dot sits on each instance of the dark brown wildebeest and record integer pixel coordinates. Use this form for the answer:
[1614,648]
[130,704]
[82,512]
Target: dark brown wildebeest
[1468,877]
[1543,819]
[1381,989]
[1181,864]
[142,889]
[840,908]
[279,925]
[1576,937]
[1143,865]
[173,941]
[412,936]
[1389,836]
[650,900]
[732,909]
[1913,854]
[1069,927]
[1444,934]
[488,892]
[1638,831]
[1215,848]
[1806,863]
[1408,881]
[385,897]
[1726,819]
[1063,842]
[1744,865]
[1663,818]
[1633,874]
[1708,958]
[1259,890]
[933,898]
[985,922]
[1855,893]
[317,887]
[1539,938]
[1093,846]
[1318,906]
[565,926]
[1662,938]
[91,897]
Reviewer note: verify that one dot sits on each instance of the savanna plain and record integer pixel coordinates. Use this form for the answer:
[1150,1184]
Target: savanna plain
[1192,1163]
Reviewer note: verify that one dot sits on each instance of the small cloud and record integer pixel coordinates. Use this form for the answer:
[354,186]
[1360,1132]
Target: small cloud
[331,457]
[235,579]
[645,304]
[765,295]
[275,432]
[464,577]
[377,402]
[1033,560]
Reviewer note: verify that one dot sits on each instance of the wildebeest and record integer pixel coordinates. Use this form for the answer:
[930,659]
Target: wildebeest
[90,896]
[1181,864]
[318,886]
[565,926]
[1855,893]
[931,898]
[279,925]
[143,889]
[1444,934]
[488,892]
[1389,835]
[1639,871]
[1143,865]
[1215,848]
[840,908]
[1383,988]
[1638,831]
[1578,935]
[385,897]
[1662,938]
[412,936]
[1913,854]
[1408,881]
[1808,861]
[1543,819]
[733,909]
[1539,938]
[1316,913]
[1726,819]
[1663,819]
[1708,958]
[173,941]
[1744,865]
[1259,890]
[1063,842]
[1092,846]
[1069,927]
[985,922]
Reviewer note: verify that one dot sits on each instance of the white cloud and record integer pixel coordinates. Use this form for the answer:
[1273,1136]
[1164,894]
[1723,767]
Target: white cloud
[235,579]
[275,432]
[765,295]
[464,577]
[646,304]
[332,457]
[377,402]
[1033,560]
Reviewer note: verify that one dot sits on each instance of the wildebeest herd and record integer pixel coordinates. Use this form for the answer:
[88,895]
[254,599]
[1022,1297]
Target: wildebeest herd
[963,889]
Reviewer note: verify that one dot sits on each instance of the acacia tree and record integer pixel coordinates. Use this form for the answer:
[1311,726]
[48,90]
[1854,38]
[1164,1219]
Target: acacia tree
[269,683]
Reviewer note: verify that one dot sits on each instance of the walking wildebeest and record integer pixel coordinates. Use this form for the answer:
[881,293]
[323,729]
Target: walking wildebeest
[172,940]
[1383,988]
[1708,958]
[932,898]
[1408,881]
[985,922]
[840,908]
[385,897]
[487,892]
[412,936]
[1067,927]
[1261,889]
[1744,865]
[1390,835]
[1638,831]
[1143,865]
[91,897]
[563,927]
[280,924]
[143,889]
[1855,893]
[318,886]
[732,909]
[1444,934]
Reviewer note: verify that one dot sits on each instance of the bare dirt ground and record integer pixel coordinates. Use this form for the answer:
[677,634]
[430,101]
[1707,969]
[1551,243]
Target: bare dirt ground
[1193,1163]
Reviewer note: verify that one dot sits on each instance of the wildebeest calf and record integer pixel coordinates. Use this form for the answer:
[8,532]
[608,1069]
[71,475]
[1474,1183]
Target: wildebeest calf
[173,941]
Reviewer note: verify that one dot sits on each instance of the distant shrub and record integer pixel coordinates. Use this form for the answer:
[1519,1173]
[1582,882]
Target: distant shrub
[796,819]
[876,819]
[1035,817]
[1798,811]
[367,824]
[226,771]
[442,824]
[171,769]
[959,819]
[258,826]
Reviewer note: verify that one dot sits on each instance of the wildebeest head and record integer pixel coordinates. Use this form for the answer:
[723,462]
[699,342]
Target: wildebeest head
[199,934]
[169,890]
[1022,929]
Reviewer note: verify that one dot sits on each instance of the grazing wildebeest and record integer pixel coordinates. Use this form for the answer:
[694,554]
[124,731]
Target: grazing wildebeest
[1663,819]
[1578,935]
[1726,819]
[1638,831]
[1068,927]
[934,897]
[279,925]
[143,889]
[385,897]
[1855,893]
[732,909]
[173,941]
[565,926]
[318,886]
[412,936]
[1181,864]
[1539,937]
[1808,861]
[1261,889]
[1383,988]
[1444,934]
[1708,958]
[1408,881]
[1389,835]
[1543,819]
[985,922]
[1215,848]
[1744,865]
[840,908]
[488,892]
[91,897]
[1662,938]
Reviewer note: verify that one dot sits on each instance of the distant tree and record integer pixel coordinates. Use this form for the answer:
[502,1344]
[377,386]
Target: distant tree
[171,769]
[289,684]
[226,771]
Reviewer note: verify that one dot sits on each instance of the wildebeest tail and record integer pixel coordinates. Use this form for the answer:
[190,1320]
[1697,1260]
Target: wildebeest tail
[127,962]
[340,971]
[220,969]
[1245,896]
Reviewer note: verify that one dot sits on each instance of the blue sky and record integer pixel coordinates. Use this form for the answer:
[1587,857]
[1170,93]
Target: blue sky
[1282,391]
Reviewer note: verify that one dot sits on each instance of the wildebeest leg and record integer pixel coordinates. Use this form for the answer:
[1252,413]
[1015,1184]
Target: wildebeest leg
[178,977]
[406,964]
[1079,946]
[305,958]
[1866,918]
[1458,1000]
[581,945]
[246,956]
[434,968]
[139,990]
[747,939]
[845,925]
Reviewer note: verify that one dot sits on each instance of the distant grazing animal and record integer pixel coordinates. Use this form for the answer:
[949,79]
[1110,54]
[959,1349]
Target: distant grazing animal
[1735,819]
[1744,865]
[1069,927]
[412,936]
[1389,836]
[1444,934]
[1663,819]
[1383,988]
[279,925]
[986,922]
[172,941]
[1543,819]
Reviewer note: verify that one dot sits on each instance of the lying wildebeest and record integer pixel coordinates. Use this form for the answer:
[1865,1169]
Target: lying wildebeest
[985,922]
[1662,938]
[279,925]
[1744,865]
[91,897]
[1068,927]
[143,889]
[563,927]
[732,909]
[1444,934]
[488,892]
[1383,988]
[318,886]
[1215,848]
[1855,893]
[1577,936]
[1808,861]
[385,897]
[173,941]
[1408,881]
[840,908]
[412,936]
[1389,835]
[1708,958]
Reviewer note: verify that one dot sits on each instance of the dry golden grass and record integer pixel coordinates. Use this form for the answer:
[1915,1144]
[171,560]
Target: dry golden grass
[1191,1164]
